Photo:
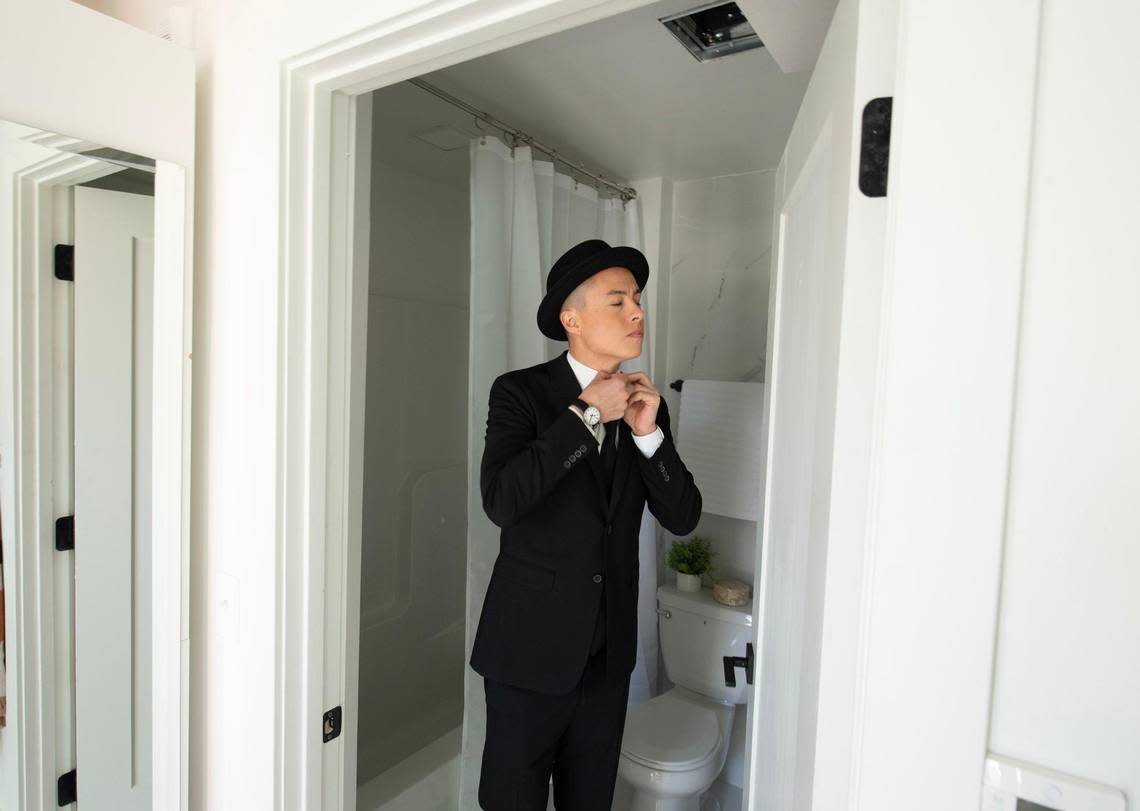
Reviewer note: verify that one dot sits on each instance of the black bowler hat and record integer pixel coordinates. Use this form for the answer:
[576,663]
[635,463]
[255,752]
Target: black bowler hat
[574,267]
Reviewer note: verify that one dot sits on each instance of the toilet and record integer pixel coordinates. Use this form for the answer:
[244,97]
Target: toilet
[674,746]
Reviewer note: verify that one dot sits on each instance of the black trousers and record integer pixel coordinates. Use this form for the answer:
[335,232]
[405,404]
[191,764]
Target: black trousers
[576,737]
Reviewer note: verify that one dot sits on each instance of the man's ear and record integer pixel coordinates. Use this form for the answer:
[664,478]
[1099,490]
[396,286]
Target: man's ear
[569,322]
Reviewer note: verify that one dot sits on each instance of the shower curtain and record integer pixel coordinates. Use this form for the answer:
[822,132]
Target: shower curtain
[524,215]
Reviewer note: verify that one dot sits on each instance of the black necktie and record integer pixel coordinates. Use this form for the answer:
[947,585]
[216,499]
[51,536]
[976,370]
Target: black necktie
[609,455]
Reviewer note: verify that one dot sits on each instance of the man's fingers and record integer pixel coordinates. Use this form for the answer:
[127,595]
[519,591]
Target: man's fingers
[646,389]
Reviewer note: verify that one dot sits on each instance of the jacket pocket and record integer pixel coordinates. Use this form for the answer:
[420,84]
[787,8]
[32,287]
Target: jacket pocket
[526,574]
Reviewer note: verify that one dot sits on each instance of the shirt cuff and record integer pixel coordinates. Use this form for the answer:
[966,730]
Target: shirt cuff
[649,443]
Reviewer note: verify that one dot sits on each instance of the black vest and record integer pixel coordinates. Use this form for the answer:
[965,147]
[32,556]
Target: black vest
[609,460]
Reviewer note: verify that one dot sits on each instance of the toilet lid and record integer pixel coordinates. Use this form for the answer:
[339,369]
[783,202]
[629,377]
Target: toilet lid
[670,733]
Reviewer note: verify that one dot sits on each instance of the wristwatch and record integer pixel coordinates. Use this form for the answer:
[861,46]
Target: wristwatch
[589,413]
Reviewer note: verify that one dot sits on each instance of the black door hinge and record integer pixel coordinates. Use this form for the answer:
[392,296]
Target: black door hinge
[65,789]
[65,263]
[875,149]
[331,723]
[65,533]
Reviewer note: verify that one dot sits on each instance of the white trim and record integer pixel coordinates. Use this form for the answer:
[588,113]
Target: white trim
[32,643]
[170,494]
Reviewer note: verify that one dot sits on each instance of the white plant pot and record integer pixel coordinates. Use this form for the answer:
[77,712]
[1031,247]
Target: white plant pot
[688,582]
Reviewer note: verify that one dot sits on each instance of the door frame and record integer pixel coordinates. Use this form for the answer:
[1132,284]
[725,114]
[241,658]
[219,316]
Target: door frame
[37,363]
[142,102]
[932,212]
[43,479]
[318,471]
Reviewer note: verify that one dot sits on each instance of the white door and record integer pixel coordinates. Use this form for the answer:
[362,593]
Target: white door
[114,266]
[823,331]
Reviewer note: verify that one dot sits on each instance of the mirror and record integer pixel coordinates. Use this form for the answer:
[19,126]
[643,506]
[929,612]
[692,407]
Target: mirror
[85,455]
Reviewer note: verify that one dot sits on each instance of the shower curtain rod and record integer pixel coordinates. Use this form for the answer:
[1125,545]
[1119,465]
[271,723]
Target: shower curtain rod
[625,192]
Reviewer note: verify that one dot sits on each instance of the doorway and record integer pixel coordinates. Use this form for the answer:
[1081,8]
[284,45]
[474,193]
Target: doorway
[438,167]
[330,298]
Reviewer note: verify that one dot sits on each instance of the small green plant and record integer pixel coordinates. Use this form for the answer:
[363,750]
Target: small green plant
[693,556]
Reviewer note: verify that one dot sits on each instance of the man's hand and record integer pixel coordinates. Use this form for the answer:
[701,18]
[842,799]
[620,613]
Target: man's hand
[609,393]
[641,408]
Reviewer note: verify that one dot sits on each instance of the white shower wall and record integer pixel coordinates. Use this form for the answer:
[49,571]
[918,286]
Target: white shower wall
[719,262]
[413,551]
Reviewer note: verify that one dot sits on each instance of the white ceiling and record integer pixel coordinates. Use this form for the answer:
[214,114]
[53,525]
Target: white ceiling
[621,95]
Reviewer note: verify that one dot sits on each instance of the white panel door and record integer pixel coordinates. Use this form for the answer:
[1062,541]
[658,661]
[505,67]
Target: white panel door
[114,261]
[822,345]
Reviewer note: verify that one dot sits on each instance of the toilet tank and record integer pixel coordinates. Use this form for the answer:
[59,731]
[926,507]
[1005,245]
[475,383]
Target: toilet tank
[697,633]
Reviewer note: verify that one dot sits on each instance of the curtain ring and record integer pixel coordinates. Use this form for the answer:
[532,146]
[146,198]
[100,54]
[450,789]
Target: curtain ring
[482,132]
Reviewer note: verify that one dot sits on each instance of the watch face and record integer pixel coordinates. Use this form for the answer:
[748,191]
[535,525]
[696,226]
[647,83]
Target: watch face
[593,415]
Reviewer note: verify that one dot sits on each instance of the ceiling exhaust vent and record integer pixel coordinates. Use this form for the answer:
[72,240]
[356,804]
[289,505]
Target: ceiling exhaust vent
[713,30]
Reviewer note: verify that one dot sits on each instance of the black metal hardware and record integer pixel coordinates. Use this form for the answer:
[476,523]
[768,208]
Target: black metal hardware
[65,533]
[65,263]
[875,149]
[676,385]
[747,662]
[331,723]
[65,789]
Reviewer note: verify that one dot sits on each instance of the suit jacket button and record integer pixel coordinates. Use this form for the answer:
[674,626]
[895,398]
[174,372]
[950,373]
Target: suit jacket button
[597,578]
[566,464]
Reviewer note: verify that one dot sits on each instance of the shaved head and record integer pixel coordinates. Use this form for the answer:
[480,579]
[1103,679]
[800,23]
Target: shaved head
[577,297]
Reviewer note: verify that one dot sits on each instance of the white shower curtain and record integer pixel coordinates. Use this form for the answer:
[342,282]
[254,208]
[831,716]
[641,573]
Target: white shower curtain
[524,215]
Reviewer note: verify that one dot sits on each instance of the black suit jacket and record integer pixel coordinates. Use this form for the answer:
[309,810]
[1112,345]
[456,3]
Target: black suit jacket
[542,481]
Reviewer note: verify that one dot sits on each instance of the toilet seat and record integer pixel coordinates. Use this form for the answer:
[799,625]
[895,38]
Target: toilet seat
[671,733]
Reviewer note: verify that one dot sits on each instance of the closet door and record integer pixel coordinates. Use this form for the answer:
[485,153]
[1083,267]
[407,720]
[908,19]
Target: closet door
[114,283]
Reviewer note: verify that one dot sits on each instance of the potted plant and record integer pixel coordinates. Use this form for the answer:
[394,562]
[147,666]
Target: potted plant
[690,559]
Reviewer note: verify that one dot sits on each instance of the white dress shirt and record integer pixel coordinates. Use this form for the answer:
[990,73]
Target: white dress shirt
[647,444]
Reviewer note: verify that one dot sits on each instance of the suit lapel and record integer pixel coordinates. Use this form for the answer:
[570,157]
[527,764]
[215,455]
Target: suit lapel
[563,388]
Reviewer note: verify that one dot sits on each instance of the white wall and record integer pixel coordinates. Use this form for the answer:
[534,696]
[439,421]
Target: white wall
[234,590]
[1068,650]
[413,548]
[1066,375]
[718,275]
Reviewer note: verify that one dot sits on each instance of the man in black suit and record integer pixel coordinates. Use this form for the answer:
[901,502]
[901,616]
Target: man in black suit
[574,450]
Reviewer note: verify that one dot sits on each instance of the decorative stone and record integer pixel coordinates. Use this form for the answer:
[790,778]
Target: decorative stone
[731,592]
